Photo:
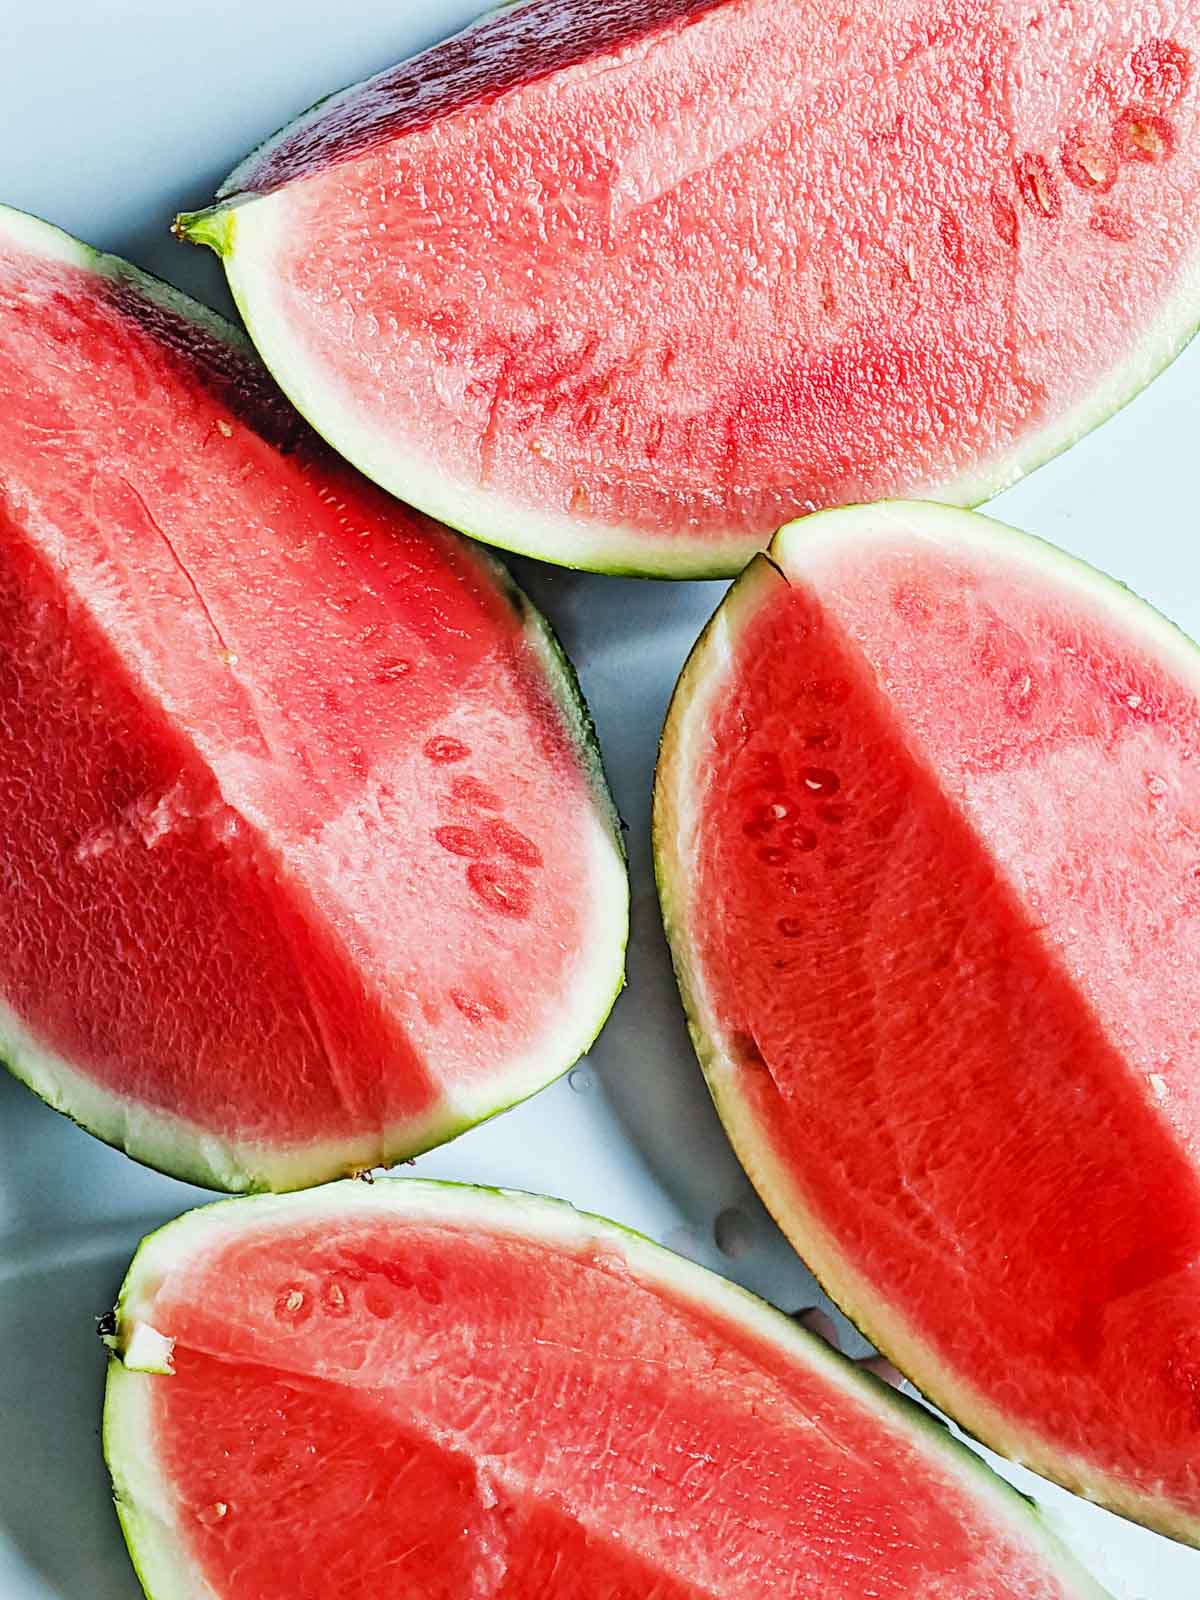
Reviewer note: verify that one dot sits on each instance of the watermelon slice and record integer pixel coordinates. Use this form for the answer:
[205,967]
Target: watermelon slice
[307,860]
[430,1392]
[625,284]
[927,831]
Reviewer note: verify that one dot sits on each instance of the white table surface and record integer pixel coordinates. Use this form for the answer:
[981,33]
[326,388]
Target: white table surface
[113,117]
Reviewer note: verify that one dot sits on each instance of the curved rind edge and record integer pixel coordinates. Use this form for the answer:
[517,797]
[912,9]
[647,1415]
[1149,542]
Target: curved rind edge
[623,550]
[128,1446]
[674,778]
[179,1149]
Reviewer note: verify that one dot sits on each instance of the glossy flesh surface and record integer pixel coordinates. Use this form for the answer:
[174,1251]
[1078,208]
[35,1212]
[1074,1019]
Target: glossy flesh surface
[630,285]
[933,891]
[496,1397]
[255,722]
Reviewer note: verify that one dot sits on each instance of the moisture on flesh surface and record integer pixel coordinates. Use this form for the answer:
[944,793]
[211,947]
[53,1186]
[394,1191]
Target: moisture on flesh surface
[928,837]
[628,283]
[432,1393]
[305,859]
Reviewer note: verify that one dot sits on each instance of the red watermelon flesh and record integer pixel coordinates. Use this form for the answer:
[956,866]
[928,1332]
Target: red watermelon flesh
[928,833]
[626,285]
[433,1392]
[306,857]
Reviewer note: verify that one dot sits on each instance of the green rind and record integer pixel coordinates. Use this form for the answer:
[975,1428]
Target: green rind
[1168,335]
[179,1154]
[526,1215]
[935,1384]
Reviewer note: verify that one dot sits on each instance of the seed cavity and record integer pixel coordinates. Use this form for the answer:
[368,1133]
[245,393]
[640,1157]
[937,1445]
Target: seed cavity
[1090,162]
[210,1515]
[514,844]
[471,792]
[1004,218]
[1163,69]
[335,1302]
[460,841]
[790,927]
[292,1304]
[820,780]
[1143,135]
[1036,186]
[500,889]
[443,750]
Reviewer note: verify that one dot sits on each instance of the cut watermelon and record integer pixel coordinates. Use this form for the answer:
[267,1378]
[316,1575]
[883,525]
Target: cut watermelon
[927,830]
[625,284]
[307,857]
[430,1392]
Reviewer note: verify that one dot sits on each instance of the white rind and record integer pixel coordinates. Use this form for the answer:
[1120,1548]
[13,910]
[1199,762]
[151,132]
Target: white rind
[797,552]
[143,1499]
[176,1145]
[252,230]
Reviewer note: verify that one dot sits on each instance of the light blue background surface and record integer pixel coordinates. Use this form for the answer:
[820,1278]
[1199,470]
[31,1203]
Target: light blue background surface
[112,118]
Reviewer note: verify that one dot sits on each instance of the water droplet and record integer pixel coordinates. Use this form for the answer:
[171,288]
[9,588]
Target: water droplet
[460,841]
[1159,1084]
[790,927]
[210,1515]
[500,889]
[581,1080]
[820,780]
[292,1304]
[444,750]
[733,1233]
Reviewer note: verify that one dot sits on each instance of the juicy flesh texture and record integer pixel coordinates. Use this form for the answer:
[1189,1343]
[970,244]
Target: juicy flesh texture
[769,258]
[949,855]
[255,722]
[496,1417]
